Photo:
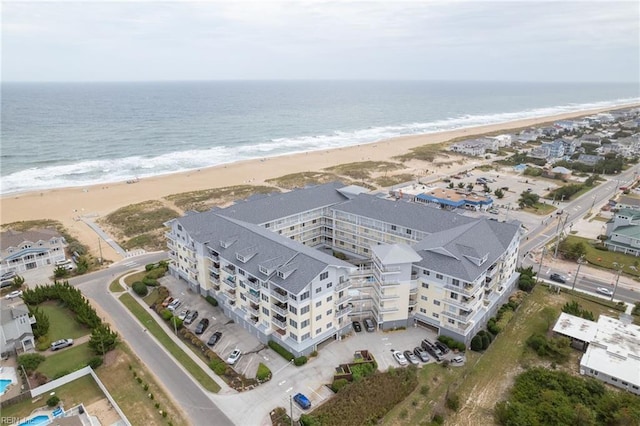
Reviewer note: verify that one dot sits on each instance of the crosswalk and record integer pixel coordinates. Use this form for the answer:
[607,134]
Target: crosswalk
[131,264]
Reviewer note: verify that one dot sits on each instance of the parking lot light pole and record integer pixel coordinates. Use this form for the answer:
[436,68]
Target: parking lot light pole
[580,260]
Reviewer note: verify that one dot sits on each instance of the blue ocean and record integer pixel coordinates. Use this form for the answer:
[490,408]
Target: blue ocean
[76,134]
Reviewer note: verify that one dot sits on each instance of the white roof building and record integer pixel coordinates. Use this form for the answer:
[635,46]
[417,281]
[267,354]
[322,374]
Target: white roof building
[613,351]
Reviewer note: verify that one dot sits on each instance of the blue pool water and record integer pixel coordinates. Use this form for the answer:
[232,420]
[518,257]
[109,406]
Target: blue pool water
[37,420]
[3,385]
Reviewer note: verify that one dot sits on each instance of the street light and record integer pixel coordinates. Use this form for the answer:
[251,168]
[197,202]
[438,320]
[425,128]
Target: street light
[615,287]
[580,262]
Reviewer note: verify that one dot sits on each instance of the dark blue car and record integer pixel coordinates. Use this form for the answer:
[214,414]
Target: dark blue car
[302,401]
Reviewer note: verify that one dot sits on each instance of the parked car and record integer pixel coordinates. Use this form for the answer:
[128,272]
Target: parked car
[411,357]
[234,356]
[183,314]
[14,294]
[605,291]
[443,348]
[8,275]
[191,317]
[65,264]
[167,301]
[457,359]
[215,338]
[399,357]
[434,351]
[369,325]
[6,283]
[202,326]
[557,278]
[494,211]
[61,344]
[421,354]
[356,326]
[302,401]
[174,305]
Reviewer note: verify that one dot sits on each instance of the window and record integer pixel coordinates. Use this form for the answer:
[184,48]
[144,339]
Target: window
[329,312]
[455,282]
[329,299]
[613,379]
[436,302]
[425,298]
[435,315]
[242,284]
[268,225]
[318,290]
[293,323]
[393,227]
[318,317]
[423,311]
[241,272]
[319,330]
[439,276]
[454,296]
[292,228]
[304,296]
[329,285]
[265,297]
[318,304]
[265,311]
[366,250]
[408,231]
[293,336]
[179,227]
[329,326]
[425,272]
[425,285]
[305,336]
[304,310]
[304,324]
[314,221]
[243,297]
[293,309]
[324,276]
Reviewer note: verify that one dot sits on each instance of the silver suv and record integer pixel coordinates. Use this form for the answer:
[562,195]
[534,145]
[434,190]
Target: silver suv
[61,344]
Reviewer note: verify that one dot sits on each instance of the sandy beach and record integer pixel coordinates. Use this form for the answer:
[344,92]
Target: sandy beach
[66,205]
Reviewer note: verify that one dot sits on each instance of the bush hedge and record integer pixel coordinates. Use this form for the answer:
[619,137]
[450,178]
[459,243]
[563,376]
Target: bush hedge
[452,343]
[281,351]
[301,360]
[211,300]
[139,288]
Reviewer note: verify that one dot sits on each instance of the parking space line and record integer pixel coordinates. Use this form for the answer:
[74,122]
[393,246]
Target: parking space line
[289,390]
[312,390]
[244,372]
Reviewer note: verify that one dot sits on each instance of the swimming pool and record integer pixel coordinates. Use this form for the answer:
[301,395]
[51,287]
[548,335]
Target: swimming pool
[35,421]
[3,385]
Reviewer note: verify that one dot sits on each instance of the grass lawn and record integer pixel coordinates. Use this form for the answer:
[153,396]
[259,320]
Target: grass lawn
[541,209]
[118,377]
[62,322]
[115,286]
[605,259]
[138,276]
[151,297]
[83,390]
[154,328]
[66,360]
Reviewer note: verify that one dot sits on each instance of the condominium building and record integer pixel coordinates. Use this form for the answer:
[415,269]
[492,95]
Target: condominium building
[270,263]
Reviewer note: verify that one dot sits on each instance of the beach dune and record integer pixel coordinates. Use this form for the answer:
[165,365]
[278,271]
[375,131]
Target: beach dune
[66,205]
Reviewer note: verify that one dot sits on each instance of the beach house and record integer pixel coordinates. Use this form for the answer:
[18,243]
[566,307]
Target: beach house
[15,328]
[298,267]
[20,251]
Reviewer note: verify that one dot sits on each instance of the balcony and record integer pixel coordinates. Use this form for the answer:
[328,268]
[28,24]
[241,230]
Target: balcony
[215,285]
[465,303]
[342,300]
[170,236]
[255,298]
[213,255]
[388,309]
[280,323]
[343,285]
[344,311]
[280,295]
[462,289]
[253,309]
[253,283]
[463,316]
[231,292]
[214,270]
[280,309]
[229,269]
[230,281]
[173,256]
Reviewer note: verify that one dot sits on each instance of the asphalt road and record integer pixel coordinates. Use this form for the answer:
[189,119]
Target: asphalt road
[194,400]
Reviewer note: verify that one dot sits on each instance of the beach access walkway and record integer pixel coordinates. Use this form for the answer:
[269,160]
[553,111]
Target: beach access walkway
[103,235]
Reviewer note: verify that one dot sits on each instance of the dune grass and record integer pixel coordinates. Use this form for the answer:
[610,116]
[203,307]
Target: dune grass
[302,179]
[205,199]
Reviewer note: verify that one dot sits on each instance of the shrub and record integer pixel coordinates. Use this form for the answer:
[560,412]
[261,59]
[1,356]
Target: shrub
[95,362]
[493,327]
[149,266]
[30,361]
[139,288]
[211,300]
[151,282]
[476,343]
[301,360]
[176,322]
[438,419]
[339,384]
[166,314]
[362,370]
[53,401]
[263,373]
[424,390]
[218,366]
[280,350]
[452,343]
[453,402]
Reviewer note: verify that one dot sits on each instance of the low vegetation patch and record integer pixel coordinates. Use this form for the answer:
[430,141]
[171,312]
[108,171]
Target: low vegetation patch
[365,401]
[597,255]
[205,199]
[302,179]
[391,180]
[301,360]
[546,397]
[136,219]
[452,343]
[362,170]
[424,153]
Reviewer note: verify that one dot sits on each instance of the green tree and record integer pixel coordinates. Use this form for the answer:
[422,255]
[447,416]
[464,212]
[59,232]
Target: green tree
[41,327]
[460,185]
[18,281]
[103,339]
[450,185]
[499,193]
[470,186]
[528,199]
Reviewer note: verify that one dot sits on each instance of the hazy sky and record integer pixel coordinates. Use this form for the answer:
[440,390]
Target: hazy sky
[472,40]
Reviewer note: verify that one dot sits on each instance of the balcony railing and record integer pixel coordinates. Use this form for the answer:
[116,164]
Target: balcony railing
[279,309]
[229,269]
[232,292]
[344,311]
[253,297]
[253,309]
[252,283]
[215,285]
[230,281]
[343,285]
[459,317]
[279,323]
[462,289]
[343,299]
[173,256]
[462,303]
[279,296]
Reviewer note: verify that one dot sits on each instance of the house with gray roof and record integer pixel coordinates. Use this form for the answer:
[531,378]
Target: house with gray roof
[16,334]
[623,232]
[20,251]
[272,268]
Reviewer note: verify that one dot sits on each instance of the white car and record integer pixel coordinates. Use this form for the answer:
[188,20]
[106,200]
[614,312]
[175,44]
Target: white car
[183,314]
[14,294]
[605,291]
[400,358]
[234,357]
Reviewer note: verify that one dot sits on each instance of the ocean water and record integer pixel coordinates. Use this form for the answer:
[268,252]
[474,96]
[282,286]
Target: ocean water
[76,134]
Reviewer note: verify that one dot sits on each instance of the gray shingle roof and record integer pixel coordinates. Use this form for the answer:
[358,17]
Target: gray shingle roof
[476,239]
[408,215]
[278,205]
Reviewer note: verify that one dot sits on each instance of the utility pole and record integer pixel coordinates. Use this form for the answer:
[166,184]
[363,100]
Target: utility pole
[291,409]
[615,287]
[560,227]
[100,248]
[544,249]
[580,260]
